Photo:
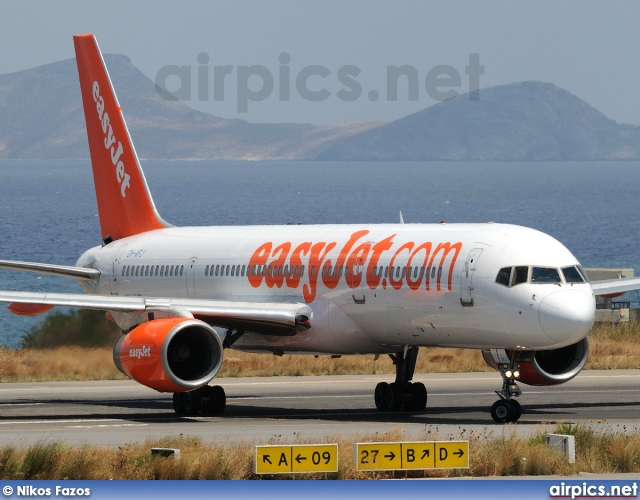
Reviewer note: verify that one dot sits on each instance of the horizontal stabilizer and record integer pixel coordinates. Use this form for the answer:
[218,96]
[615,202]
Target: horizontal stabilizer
[79,273]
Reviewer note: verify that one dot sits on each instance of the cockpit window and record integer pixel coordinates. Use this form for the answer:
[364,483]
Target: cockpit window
[572,275]
[503,276]
[545,275]
[583,273]
[520,275]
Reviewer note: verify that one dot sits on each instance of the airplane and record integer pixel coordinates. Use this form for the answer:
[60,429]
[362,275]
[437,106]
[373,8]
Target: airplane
[514,293]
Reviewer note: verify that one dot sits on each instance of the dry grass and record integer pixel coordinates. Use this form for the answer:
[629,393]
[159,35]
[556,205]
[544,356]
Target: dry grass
[239,364]
[611,348]
[507,456]
[61,363]
[614,348]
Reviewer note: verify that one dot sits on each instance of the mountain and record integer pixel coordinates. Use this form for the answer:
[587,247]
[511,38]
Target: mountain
[41,117]
[528,121]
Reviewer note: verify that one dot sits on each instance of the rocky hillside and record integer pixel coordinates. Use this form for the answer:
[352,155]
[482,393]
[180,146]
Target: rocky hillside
[528,121]
[41,117]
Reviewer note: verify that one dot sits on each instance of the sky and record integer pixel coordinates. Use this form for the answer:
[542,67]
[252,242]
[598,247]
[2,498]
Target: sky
[329,61]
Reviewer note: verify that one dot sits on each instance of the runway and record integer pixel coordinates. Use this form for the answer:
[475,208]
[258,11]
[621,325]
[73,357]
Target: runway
[309,409]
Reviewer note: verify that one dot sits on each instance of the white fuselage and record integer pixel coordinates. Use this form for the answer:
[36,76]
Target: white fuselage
[372,288]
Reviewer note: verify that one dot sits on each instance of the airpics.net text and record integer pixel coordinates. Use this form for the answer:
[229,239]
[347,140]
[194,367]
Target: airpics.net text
[313,83]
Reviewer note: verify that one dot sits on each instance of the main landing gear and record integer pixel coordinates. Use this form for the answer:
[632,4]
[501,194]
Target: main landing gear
[207,401]
[507,409]
[402,394]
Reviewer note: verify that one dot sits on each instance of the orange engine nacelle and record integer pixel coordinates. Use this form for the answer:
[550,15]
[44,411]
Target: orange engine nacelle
[552,367]
[170,355]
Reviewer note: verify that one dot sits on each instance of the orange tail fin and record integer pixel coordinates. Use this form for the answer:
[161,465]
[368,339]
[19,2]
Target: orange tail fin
[125,206]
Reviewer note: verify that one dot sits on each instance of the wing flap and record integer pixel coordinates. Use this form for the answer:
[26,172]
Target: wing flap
[270,318]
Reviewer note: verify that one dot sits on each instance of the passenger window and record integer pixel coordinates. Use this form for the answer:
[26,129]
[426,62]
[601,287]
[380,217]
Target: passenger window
[243,269]
[545,275]
[440,272]
[206,271]
[572,275]
[520,275]
[433,272]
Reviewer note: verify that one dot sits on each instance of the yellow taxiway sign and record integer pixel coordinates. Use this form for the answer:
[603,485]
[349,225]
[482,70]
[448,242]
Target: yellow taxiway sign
[409,456]
[296,458]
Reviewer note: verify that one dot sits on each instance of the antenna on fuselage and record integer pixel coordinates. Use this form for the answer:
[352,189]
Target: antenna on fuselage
[401,218]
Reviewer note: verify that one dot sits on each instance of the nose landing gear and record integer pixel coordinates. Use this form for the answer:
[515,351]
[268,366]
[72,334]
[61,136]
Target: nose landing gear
[402,394]
[507,409]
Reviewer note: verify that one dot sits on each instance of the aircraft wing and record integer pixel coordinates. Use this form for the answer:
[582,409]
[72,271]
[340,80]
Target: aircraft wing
[616,286]
[79,273]
[268,318]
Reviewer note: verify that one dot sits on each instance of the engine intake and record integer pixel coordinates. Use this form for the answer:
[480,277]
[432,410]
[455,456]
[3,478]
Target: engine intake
[551,367]
[170,355]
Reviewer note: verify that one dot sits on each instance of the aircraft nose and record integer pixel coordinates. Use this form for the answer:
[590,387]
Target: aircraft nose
[567,314]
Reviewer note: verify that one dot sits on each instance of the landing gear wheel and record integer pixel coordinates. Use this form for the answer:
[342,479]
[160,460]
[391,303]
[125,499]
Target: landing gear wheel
[178,403]
[192,402]
[394,397]
[217,400]
[402,394]
[517,410]
[380,396]
[502,411]
[418,397]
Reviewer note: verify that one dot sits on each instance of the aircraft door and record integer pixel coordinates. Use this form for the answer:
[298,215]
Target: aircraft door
[466,279]
[191,278]
[358,295]
[117,264]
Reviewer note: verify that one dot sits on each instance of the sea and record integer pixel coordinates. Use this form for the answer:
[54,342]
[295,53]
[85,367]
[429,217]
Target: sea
[48,209]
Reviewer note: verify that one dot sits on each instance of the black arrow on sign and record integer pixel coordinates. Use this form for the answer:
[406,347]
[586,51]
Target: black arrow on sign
[390,456]
[425,453]
[300,458]
[266,459]
[459,453]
